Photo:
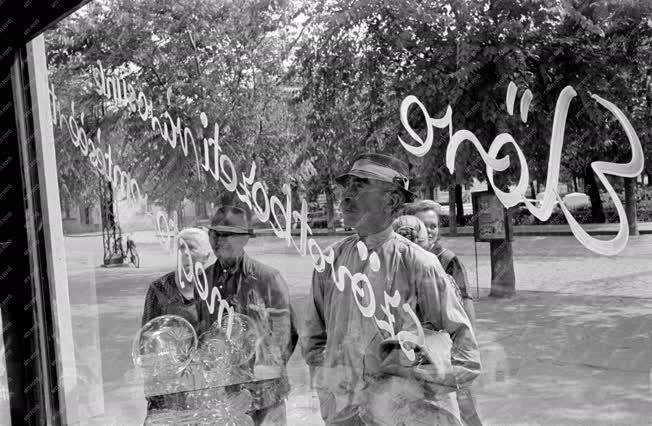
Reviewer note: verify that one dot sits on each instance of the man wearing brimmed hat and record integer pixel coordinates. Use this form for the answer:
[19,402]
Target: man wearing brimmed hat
[354,364]
[258,291]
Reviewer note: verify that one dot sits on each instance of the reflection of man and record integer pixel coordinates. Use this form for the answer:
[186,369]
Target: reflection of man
[355,379]
[258,291]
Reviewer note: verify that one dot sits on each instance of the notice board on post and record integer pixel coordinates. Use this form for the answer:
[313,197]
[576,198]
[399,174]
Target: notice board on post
[491,219]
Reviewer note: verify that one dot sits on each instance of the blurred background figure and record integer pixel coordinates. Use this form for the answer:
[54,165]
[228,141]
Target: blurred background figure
[412,228]
[422,217]
[171,294]
[427,211]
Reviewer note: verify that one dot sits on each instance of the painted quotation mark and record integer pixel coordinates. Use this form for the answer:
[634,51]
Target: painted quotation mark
[363,252]
[525,101]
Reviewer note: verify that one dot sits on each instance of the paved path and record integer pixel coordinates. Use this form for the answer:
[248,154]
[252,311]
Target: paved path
[573,347]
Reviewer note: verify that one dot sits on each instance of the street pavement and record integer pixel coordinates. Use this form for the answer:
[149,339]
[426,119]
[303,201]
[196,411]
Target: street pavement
[572,347]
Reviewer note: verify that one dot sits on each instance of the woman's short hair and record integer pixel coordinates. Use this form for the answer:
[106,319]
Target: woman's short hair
[422,206]
[197,241]
[412,228]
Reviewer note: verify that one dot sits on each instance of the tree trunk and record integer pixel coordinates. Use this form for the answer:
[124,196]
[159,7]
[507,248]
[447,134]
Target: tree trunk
[330,207]
[452,222]
[181,217]
[630,205]
[459,205]
[431,190]
[503,279]
[170,210]
[533,193]
[574,183]
[649,180]
[592,190]
[538,188]
[200,208]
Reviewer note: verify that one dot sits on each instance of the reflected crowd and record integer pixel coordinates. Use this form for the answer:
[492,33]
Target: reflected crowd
[217,335]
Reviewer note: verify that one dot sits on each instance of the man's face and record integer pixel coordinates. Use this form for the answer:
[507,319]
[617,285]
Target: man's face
[431,219]
[365,204]
[227,246]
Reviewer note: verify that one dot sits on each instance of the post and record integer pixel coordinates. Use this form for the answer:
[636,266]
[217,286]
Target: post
[503,279]
[452,217]
[630,205]
[492,224]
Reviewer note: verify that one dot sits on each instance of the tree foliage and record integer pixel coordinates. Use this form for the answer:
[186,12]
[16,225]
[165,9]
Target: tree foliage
[304,87]
[225,59]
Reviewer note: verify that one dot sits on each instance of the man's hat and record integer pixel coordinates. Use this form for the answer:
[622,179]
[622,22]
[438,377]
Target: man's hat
[383,168]
[231,220]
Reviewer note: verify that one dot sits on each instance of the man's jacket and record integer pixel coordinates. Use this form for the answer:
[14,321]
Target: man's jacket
[260,292]
[342,346]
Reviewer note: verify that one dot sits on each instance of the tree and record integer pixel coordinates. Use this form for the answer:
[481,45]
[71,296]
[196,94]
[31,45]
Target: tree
[600,47]
[374,53]
[220,58]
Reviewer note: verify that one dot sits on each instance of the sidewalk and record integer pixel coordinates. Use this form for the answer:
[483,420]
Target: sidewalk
[561,359]
[552,230]
[575,352]
[547,359]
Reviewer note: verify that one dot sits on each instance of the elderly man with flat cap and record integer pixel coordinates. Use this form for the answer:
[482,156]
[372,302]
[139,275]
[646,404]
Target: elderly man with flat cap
[258,291]
[361,373]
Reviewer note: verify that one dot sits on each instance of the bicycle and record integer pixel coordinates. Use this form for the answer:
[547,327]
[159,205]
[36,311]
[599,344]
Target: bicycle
[132,253]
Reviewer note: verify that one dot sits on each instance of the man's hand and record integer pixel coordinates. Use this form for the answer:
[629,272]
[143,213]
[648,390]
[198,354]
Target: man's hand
[395,362]
[431,362]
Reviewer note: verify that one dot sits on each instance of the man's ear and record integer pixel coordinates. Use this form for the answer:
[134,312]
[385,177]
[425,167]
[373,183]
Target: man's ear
[396,201]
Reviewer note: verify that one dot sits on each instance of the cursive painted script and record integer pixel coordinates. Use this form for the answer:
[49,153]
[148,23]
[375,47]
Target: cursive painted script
[517,195]
[253,193]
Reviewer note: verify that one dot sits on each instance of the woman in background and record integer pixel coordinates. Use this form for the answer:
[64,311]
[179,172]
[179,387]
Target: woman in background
[420,224]
[428,212]
[412,228]
[166,296]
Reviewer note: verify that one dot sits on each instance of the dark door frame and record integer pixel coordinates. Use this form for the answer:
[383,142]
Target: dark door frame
[26,300]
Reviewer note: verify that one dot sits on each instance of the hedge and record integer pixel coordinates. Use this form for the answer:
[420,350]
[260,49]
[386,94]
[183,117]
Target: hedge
[582,215]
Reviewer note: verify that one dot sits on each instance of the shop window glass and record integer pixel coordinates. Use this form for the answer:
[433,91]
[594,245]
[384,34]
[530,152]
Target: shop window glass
[166,114]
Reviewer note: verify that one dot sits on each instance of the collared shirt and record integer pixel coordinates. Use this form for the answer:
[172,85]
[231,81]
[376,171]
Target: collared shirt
[226,278]
[342,346]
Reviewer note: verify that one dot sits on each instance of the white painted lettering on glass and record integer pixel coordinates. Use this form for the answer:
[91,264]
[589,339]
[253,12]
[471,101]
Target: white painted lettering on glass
[517,195]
